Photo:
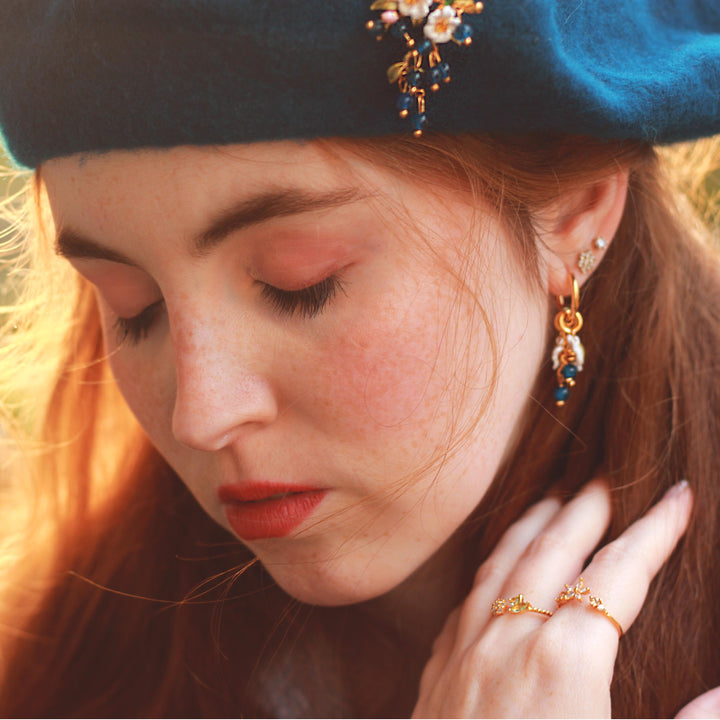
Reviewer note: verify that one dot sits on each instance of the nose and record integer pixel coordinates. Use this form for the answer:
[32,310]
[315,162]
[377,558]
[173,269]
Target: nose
[221,391]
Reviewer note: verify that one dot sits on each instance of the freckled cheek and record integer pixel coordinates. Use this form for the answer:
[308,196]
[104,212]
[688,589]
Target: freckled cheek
[145,391]
[141,376]
[387,377]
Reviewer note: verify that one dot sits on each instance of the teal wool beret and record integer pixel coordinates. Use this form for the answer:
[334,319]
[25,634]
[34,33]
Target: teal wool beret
[96,75]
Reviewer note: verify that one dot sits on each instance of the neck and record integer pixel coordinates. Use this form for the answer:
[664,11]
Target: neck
[391,639]
[415,611]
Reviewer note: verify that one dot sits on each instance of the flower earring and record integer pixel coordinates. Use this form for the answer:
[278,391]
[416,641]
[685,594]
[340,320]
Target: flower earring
[568,356]
[586,260]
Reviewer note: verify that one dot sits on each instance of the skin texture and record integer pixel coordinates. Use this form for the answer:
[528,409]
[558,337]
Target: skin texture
[528,665]
[361,398]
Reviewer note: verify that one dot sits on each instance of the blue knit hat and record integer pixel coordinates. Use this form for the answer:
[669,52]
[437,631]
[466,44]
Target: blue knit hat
[94,75]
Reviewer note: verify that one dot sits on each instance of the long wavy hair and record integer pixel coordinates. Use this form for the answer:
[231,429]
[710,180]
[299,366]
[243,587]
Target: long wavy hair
[121,598]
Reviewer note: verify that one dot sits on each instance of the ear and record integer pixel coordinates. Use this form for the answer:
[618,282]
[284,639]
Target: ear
[573,224]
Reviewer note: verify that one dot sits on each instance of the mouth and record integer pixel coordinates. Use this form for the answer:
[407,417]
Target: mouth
[277,496]
[258,511]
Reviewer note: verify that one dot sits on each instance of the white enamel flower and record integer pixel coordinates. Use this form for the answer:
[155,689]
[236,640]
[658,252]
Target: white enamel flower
[575,345]
[414,9]
[441,24]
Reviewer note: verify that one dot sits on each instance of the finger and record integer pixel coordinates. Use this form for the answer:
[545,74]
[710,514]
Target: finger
[493,573]
[620,573]
[554,535]
[445,640]
[560,550]
[706,705]
[442,648]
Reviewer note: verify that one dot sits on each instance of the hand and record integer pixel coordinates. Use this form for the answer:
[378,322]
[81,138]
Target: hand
[530,665]
[706,705]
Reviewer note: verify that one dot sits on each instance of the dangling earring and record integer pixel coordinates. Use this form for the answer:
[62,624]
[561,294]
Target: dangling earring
[568,356]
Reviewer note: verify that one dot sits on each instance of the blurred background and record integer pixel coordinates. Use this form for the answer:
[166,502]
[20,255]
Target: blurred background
[12,181]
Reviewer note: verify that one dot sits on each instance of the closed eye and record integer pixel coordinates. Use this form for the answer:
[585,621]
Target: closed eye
[137,328]
[307,302]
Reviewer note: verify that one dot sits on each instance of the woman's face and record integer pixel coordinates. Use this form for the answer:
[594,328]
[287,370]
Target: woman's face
[289,328]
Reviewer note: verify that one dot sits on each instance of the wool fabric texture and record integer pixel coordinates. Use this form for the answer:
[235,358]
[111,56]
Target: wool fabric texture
[96,75]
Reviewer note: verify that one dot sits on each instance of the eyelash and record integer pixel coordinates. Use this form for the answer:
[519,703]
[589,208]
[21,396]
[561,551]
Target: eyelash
[135,329]
[308,302]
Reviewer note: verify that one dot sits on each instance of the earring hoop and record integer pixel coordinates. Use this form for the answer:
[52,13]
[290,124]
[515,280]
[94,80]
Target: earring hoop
[568,356]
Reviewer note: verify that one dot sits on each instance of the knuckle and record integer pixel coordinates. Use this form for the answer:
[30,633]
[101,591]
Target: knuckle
[559,657]
[552,652]
[477,660]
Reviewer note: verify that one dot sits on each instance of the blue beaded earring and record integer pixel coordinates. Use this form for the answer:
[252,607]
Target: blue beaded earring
[568,356]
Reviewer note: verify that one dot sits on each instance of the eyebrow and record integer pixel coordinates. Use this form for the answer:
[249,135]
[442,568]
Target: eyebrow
[260,208]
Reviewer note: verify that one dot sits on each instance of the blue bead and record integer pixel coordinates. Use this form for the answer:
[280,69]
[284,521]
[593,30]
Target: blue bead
[418,122]
[413,78]
[463,32]
[562,393]
[569,371]
[404,101]
[436,75]
[444,68]
[377,29]
[424,47]
[400,28]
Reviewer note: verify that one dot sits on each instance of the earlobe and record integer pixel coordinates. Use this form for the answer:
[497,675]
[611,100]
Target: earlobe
[581,227]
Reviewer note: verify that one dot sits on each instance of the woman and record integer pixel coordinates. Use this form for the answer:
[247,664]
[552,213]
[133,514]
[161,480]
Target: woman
[350,482]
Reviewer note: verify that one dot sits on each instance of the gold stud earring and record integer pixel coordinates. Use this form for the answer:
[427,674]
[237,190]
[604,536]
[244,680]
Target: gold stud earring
[587,260]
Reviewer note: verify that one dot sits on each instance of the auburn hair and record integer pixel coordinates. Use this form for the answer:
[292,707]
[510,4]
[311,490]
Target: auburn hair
[121,597]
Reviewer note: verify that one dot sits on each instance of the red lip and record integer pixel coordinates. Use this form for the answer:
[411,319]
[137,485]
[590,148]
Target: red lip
[258,511]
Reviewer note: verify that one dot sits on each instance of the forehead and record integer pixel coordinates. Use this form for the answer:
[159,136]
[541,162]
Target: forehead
[190,170]
[131,197]
[158,200]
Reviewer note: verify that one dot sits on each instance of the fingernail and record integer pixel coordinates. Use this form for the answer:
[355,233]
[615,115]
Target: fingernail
[677,489]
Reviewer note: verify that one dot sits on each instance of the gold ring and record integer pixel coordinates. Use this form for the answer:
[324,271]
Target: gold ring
[577,592]
[516,605]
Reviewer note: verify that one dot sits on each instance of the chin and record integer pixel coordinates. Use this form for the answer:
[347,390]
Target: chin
[331,584]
